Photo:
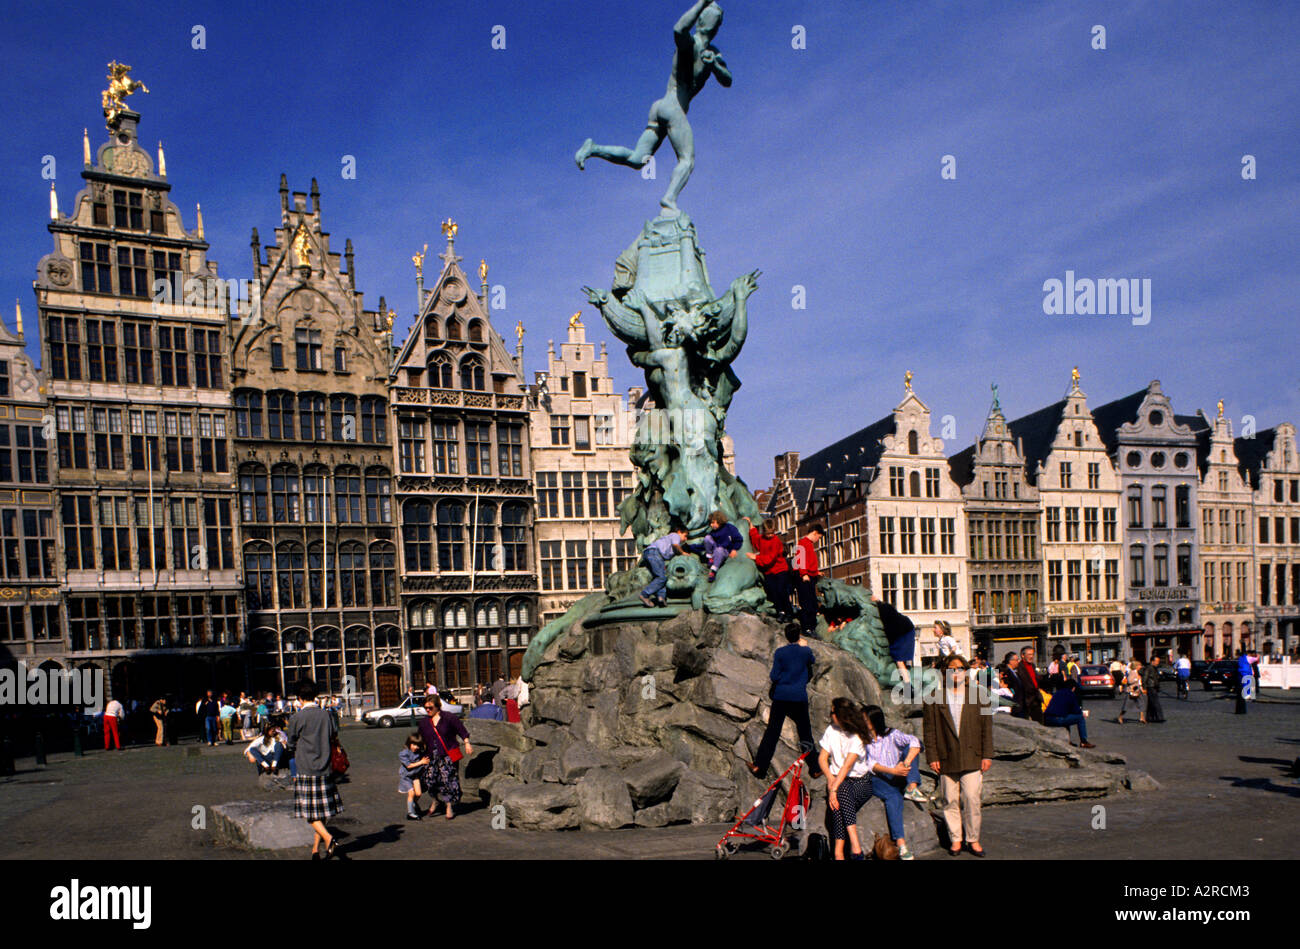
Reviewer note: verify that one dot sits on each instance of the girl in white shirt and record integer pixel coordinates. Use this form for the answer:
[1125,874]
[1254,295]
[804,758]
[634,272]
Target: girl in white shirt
[844,762]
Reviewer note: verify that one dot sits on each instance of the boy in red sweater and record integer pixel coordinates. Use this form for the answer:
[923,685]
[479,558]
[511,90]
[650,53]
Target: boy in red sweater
[770,560]
[807,572]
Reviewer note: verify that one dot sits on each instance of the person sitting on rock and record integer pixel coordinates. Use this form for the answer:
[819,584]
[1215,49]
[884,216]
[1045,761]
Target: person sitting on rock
[722,541]
[656,557]
[892,763]
[267,752]
[1064,710]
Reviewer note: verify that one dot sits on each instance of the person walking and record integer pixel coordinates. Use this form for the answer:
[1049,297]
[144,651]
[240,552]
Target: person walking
[958,738]
[1151,682]
[159,712]
[443,732]
[227,716]
[656,557]
[892,762]
[792,668]
[843,759]
[113,715]
[1064,710]
[245,712]
[808,571]
[1029,681]
[412,760]
[208,710]
[1245,681]
[1134,692]
[1184,669]
[769,557]
[311,737]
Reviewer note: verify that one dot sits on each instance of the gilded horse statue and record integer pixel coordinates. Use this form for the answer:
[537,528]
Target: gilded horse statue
[120,85]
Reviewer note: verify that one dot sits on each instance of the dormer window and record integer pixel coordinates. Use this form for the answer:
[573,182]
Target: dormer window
[128,209]
[913,442]
[340,359]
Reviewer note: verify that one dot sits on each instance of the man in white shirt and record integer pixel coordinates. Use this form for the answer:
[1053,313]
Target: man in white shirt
[113,711]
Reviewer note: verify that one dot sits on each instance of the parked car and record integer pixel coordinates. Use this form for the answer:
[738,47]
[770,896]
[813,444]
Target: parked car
[1097,679]
[1168,671]
[1199,668]
[1221,672]
[411,708]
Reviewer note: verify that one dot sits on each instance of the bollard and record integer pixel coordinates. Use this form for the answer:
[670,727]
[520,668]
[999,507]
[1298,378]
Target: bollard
[7,757]
[38,749]
[76,743]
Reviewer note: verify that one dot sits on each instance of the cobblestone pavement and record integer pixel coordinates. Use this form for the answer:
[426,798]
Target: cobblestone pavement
[1226,793]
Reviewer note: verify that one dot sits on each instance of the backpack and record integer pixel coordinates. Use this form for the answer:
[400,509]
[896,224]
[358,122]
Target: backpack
[818,848]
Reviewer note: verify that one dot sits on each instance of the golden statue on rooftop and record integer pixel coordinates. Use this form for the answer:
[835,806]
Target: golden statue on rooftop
[519,332]
[1074,377]
[575,321]
[907,380]
[301,246]
[418,260]
[1220,408]
[449,229]
[120,85]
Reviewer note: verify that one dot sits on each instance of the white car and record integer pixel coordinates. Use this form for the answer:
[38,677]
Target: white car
[412,707]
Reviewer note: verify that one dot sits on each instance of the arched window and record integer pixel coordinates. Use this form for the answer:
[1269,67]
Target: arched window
[279,415]
[471,374]
[914,484]
[284,494]
[486,554]
[374,419]
[296,655]
[518,613]
[514,536]
[257,575]
[415,614]
[417,536]
[455,614]
[432,331]
[487,613]
[347,494]
[476,331]
[288,573]
[328,654]
[343,418]
[453,328]
[383,574]
[248,413]
[440,374]
[352,574]
[913,445]
[311,417]
[356,657]
[315,497]
[320,576]
[451,535]
[252,494]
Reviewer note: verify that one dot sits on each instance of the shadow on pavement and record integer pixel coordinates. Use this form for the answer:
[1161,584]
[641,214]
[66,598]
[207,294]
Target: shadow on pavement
[1263,784]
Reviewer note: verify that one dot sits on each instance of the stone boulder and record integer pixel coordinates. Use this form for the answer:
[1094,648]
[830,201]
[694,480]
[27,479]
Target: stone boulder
[542,806]
[260,825]
[653,779]
[603,800]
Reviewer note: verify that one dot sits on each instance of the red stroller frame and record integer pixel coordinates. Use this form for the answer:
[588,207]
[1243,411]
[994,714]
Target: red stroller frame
[755,819]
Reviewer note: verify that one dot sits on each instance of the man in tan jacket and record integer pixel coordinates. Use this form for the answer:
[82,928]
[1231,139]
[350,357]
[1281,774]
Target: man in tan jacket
[958,734]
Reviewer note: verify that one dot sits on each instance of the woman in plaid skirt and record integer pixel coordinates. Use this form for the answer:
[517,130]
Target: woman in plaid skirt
[315,798]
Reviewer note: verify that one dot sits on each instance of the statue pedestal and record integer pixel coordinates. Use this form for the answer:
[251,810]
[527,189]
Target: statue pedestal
[666,262]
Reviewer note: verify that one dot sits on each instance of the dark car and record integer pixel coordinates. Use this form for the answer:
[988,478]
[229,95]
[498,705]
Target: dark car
[1097,679]
[1221,672]
[1168,671]
[1199,668]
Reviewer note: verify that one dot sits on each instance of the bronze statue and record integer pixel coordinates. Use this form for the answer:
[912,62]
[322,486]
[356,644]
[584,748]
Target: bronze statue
[695,59]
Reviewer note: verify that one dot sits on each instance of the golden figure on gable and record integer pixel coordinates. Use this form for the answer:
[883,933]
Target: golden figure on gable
[120,85]
[302,246]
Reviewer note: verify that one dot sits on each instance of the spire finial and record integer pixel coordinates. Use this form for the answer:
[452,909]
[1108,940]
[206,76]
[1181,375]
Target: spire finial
[54,203]
[199,210]
[85,145]
[18,315]
[162,162]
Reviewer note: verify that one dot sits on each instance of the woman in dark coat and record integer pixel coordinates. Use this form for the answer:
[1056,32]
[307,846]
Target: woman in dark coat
[442,732]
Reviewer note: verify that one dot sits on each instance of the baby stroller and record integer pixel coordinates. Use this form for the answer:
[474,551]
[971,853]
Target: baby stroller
[754,825]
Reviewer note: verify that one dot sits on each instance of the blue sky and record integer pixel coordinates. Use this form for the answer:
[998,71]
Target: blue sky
[820,166]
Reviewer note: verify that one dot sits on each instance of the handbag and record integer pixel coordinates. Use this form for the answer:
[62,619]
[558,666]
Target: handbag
[338,758]
[453,754]
[884,848]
